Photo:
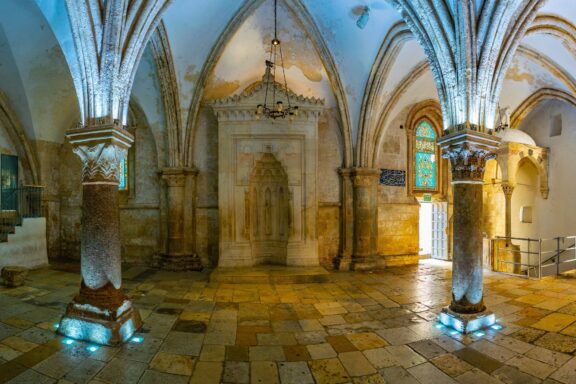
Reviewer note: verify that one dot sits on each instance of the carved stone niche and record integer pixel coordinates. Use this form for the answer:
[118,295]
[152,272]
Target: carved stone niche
[269,211]
[246,146]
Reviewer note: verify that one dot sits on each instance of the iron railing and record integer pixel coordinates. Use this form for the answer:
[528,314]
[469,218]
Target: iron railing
[17,204]
[536,258]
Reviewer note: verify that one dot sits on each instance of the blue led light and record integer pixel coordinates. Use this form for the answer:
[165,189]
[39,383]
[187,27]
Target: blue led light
[137,339]
[56,325]
[67,341]
[92,348]
[479,333]
[454,332]
[496,327]
[439,326]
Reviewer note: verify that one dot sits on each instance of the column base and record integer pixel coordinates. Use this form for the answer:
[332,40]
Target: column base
[342,262]
[367,263]
[466,322]
[100,325]
[172,262]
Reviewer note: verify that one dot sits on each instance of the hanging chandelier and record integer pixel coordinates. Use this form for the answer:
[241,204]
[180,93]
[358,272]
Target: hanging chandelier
[276,108]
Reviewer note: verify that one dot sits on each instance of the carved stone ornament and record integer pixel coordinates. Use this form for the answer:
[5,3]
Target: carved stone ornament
[508,189]
[468,161]
[101,162]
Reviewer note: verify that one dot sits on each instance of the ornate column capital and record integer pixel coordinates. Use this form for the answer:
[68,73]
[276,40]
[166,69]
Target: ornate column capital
[101,148]
[365,177]
[468,152]
[176,176]
[508,189]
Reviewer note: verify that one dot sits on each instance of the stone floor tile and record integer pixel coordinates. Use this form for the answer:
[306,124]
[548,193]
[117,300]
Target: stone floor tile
[237,353]
[451,365]
[512,375]
[264,372]
[267,353]
[330,308]
[366,340]
[405,356]
[310,325]
[321,351]
[7,353]
[554,322]
[236,372]
[557,342]
[527,335]
[213,353]
[495,351]
[567,373]
[356,363]
[428,373]
[398,375]
[32,377]
[295,373]
[399,336]
[183,343]
[448,343]
[206,372]
[329,371]
[296,353]
[547,356]
[84,371]
[172,363]
[120,371]
[341,344]
[478,359]
[531,366]
[477,376]
[511,343]
[155,377]
[427,348]
[380,358]
[58,364]
[19,344]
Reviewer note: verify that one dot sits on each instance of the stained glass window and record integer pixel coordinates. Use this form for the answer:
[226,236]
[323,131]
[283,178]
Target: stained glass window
[123,181]
[425,157]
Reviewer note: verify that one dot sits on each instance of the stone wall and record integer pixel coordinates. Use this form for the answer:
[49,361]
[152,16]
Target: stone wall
[328,233]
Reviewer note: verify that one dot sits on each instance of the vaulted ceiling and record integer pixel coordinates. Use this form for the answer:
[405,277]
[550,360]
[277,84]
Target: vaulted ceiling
[217,48]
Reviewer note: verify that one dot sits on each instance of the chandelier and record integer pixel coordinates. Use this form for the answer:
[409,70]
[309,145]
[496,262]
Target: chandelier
[276,108]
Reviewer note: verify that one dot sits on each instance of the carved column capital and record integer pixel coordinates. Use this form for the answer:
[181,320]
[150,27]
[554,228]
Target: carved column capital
[176,177]
[545,191]
[508,189]
[365,177]
[468,152]
[101,149]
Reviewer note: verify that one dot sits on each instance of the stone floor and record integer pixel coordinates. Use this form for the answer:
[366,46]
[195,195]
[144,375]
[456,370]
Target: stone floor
[359,328]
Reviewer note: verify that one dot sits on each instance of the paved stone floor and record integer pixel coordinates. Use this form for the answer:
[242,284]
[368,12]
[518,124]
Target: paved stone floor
[359,328]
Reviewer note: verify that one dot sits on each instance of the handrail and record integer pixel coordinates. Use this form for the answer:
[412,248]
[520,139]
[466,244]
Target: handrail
[528,266]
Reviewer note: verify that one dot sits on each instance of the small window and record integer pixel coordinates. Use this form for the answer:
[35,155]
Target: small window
[526,214]
[425,168]
[556,125]
[123,180]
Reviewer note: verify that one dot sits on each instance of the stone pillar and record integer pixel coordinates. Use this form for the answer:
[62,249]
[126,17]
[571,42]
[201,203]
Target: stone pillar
[180,246]
[365,245]
[100,313]
[508,189]
[344,259]
[468,152]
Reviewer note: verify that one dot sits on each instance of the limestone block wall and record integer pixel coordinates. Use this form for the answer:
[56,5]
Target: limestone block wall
[27,246]
[328,233]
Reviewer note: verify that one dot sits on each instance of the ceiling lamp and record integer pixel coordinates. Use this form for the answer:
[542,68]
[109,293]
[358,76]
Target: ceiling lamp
[276,107]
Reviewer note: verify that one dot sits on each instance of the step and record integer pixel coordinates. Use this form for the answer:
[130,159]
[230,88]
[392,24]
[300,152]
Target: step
[270,275]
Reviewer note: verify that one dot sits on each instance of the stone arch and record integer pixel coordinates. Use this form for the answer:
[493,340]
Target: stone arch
[370,109]
[28,157]
[536,98]
[301,14]
[557,26]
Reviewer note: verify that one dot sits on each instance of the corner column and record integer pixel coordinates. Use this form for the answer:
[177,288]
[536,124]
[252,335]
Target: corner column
[100,313]
[180,253]
[468,152]
[365,245]
[344,259]
[508,190]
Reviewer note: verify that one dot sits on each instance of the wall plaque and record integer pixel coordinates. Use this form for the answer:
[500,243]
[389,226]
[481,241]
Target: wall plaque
[393,178]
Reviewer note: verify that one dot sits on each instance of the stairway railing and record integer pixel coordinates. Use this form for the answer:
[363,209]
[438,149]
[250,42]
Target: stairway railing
[536,258]
[17,204]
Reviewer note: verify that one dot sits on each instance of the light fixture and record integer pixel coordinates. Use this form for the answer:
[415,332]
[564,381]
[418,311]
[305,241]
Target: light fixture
[277,108]
[363,19]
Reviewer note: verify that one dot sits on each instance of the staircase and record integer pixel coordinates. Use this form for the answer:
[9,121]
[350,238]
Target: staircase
[17,204]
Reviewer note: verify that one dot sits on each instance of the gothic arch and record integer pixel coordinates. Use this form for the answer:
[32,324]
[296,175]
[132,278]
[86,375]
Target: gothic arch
[303,16]
[11,123]
[371,102]
[556,26]
[536,98]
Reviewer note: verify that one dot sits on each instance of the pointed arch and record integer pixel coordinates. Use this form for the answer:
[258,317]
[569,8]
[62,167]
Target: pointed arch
[302,15]
[536,98]
[556,26]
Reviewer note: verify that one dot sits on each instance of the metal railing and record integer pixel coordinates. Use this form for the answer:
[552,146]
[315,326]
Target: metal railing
[535,258]
[17,204]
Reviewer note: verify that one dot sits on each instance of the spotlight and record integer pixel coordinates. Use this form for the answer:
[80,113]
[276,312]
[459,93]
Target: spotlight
[68,341]
[438,325]
[92,348]
[56,325]
[453,333]
[496,327]
[137,339]
[479,333]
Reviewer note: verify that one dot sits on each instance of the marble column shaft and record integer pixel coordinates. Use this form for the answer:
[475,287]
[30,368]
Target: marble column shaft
[468,152]
[344,259]
[100,313]
[508,190]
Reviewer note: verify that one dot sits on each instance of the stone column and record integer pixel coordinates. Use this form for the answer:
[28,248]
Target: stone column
[344,259]
[365,245]
[100,313]
[468,152]
[181,189]
[508,189]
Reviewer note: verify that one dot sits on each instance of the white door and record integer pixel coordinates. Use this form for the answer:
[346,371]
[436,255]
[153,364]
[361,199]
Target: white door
[439,230]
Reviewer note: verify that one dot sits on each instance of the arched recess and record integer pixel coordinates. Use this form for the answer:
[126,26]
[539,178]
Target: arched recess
[10,122]
[536,98]
[371,102]
[301,14]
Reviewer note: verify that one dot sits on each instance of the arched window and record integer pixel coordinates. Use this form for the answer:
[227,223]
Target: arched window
[425,162]
[123,181]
